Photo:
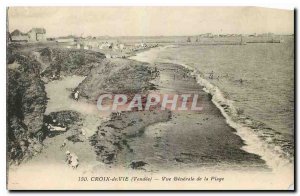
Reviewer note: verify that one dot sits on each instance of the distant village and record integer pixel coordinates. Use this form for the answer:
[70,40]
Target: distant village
[113,44]
[111,47]
[34,35]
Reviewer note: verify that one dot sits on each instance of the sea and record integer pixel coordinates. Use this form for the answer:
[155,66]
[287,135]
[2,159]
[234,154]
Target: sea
[252,84]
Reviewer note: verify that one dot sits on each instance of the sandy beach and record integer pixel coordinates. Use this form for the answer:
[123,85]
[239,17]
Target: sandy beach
[161,141]
[150,98]
[186,139]
[190,138]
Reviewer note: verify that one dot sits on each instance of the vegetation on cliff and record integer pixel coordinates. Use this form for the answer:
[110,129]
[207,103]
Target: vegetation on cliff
[26,104]
[64,61]
[117,76]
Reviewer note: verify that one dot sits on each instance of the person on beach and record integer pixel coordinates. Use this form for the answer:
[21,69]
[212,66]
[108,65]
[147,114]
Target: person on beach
[63,144]
[83,133]
[68,157]
[74,163]
[211,75]
[76,95]
[72,159]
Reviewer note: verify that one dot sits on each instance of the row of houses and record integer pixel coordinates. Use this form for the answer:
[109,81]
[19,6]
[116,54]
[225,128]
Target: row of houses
[34,35]
[101,45]
[107,47]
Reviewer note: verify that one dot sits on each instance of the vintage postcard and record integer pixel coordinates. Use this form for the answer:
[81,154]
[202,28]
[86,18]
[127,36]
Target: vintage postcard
[150,98]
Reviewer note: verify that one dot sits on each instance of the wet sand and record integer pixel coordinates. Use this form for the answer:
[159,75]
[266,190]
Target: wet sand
[201,141]
[189,143]
[190,139]
[52,158]
[254,142]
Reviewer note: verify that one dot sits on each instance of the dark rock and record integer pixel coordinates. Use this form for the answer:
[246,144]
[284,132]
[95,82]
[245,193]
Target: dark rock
[137,164]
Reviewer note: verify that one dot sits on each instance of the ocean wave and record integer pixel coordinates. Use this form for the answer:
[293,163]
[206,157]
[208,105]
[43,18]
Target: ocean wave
[259,139]
[272,146]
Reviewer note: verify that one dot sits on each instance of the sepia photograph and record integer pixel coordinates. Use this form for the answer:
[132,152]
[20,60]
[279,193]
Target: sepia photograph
[150,98]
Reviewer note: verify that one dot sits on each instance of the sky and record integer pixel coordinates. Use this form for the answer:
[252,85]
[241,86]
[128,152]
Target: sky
[150,21]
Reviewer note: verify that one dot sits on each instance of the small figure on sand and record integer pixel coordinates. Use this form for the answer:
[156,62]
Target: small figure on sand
[184,75]
[83,132]
[211,75]
[76,95]
[68,157]
[241,81]
[63,144]
[72,159]
[53,77]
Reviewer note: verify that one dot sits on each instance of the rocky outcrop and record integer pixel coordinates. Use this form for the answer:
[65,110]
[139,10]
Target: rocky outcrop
[26,96]
[63,61]
[120,76]
[111,137]
[26,104]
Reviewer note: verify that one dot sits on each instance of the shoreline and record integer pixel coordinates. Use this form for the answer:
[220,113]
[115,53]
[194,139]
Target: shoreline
[195,129]
[226,108]
[186,82]
[185,141]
